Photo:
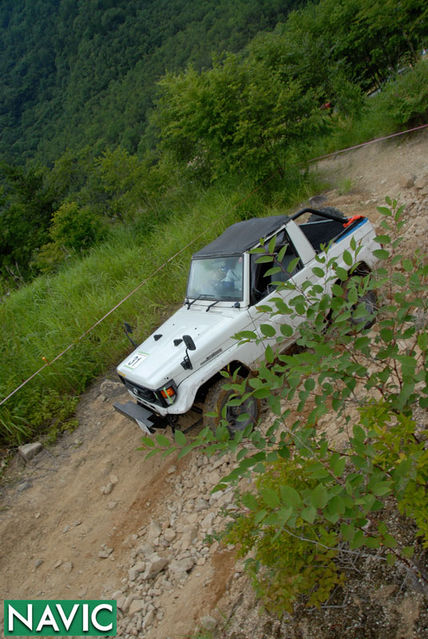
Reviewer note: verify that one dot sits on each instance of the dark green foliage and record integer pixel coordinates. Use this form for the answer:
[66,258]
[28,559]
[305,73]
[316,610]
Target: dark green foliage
[76,73]
[239,117]
[79,81]
[73,73]
[25,215]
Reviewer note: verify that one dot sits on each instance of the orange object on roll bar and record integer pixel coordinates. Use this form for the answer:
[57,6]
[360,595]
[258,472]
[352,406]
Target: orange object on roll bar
[353,219]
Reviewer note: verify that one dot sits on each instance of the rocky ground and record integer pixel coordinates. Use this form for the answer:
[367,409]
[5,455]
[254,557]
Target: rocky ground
[91,518]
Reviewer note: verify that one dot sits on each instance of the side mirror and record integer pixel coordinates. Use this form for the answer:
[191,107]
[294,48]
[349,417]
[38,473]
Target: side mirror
[190,344]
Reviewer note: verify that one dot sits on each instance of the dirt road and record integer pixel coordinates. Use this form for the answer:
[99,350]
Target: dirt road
[87,517]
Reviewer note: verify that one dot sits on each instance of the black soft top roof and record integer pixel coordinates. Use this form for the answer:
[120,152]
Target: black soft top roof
[242,236]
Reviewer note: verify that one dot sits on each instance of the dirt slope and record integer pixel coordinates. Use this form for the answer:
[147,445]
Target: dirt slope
[78,519]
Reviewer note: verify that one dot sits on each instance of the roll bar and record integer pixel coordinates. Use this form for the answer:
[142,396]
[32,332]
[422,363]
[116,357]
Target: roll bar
[327,216]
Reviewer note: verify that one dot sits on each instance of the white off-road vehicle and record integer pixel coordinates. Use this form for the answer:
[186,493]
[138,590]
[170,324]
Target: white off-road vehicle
[179,365]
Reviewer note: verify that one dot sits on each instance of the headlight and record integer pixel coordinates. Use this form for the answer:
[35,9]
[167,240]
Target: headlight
[169,393]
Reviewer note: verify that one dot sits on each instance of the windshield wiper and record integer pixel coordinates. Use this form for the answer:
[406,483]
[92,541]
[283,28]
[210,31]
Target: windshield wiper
[211,305]
[189,303]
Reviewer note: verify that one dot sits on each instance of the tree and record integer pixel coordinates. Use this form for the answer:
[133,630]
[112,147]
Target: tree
[25,216]
[239,116]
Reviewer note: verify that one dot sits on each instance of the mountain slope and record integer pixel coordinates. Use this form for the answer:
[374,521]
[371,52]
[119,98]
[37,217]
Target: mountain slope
[75,73]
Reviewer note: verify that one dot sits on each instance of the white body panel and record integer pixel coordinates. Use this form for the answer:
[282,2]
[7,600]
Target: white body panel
[157,362]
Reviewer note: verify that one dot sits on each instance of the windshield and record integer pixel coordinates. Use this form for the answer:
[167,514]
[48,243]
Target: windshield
[218,278]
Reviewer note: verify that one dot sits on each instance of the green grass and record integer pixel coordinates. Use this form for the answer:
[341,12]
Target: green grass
[41,319]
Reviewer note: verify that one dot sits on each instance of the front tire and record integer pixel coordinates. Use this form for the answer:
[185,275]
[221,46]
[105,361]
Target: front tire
[217,399]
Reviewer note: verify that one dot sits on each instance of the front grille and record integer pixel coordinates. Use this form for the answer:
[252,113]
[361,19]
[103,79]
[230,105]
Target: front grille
[143,393]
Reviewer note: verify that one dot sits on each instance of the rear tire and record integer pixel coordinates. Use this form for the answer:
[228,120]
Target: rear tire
[217,398]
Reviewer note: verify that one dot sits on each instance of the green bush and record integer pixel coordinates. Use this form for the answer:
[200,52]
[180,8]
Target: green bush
[319,497]
[75,228]
[285,561]
[334,498]
[405,98]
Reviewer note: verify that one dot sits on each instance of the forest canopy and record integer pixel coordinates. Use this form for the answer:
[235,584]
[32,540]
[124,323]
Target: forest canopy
[76,72]
[107,108]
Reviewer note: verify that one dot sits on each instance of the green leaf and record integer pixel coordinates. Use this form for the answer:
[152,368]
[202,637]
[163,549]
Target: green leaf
[357,540]
[423,341]
[389,541]
[318,471]
[348,532]
[309,514]
[260,516]
[319,272]
[162,440]
[391,559]
[262,393]
[337,464]
[152,453]
[381,488]
[383,239]
[359,433]
[271,245]
[269,355]
[290,496]
[273,271]
[246,335]
[309,384]
[293,265]
[347,258]
[286,330]
[336,506]
[319,496]
[281,253]
[275,404]
[267,330]
[250,502]
[283,515]
[185,451]
[372,542]
[148,441]
[387,335]
[407,265]
[381,254]
[270,497]
[384,210]
[180,438]
[341,273]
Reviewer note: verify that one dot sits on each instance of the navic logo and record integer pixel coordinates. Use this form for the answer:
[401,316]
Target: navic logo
[59,618]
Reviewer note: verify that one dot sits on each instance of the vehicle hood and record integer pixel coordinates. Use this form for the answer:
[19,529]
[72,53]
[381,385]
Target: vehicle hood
[158,360]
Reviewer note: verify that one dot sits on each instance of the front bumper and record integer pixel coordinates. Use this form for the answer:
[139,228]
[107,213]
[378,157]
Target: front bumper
[145,418]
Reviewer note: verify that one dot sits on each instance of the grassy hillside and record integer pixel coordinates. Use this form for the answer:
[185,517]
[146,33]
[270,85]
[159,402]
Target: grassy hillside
[231,142]
[43,318]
